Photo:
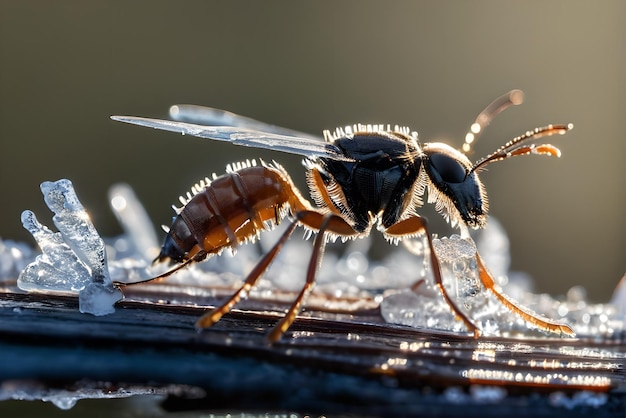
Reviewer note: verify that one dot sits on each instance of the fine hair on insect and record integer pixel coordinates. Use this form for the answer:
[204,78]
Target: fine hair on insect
[360,177]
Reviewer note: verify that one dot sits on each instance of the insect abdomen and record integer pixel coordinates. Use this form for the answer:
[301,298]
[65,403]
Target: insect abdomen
[231,209]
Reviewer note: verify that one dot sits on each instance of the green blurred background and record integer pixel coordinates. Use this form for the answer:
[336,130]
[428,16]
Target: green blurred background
[66,66]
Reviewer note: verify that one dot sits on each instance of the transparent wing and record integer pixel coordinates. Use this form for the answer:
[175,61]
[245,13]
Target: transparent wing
[306,146]
[209,116]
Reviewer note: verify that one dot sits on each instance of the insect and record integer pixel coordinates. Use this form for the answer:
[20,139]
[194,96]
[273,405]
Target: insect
[359,177]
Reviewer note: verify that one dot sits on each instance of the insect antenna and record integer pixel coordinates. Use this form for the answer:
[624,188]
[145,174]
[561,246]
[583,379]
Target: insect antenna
[160,276]
[519,146]
[512,98]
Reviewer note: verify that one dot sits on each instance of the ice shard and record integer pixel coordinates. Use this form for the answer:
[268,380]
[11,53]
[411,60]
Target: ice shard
[57,268]
[76,228]
[73,259]
[133,218]
[423,307]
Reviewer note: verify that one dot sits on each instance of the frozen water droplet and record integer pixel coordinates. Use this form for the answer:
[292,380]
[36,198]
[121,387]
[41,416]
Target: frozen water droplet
[454,248]
[487,394]
[418,311]
[63,402]
[98,299]
[581,398]
[455,395]
[576,294]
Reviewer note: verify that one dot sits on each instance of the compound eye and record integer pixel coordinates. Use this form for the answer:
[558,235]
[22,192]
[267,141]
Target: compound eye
[450,170]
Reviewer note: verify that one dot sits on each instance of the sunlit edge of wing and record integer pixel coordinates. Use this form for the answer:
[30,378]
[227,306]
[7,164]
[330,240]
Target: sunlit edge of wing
[209,116]
[244,137]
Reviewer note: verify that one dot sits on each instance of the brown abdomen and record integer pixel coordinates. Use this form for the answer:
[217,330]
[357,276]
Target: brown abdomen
[231,209]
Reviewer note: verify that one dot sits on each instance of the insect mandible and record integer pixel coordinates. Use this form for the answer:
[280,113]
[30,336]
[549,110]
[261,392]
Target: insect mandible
[359,177]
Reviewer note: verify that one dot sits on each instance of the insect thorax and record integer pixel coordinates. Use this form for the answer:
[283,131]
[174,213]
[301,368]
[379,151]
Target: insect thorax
[378,184]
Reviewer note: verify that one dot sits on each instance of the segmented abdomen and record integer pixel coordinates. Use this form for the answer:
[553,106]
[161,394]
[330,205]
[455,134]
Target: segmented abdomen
[230,209]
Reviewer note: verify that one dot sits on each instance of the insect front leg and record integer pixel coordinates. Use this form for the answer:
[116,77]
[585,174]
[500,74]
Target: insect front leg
[541,323]
[416,225]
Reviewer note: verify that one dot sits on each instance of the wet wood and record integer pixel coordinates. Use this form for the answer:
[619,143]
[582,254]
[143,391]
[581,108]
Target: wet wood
[337,361]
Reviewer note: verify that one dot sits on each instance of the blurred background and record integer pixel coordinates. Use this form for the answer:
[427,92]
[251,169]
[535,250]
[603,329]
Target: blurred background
[65,67]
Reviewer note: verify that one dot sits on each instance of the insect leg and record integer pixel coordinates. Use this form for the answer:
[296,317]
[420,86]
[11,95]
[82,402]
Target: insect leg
[318,251]
[544,324]
[417,225]
[216,314]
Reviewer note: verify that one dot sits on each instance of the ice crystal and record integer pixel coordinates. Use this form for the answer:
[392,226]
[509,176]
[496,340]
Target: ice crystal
[73,259]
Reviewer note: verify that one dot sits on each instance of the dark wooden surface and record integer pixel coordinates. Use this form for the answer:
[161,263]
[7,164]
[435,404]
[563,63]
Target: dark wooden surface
[347,361]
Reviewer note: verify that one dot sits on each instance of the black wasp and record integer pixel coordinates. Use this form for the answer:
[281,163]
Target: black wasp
[359,177]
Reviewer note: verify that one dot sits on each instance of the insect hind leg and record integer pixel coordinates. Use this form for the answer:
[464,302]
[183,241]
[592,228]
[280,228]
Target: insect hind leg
[210,318]
[324,223]
[316,256]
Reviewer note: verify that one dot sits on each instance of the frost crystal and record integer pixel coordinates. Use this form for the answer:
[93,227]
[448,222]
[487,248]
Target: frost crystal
[73,259]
